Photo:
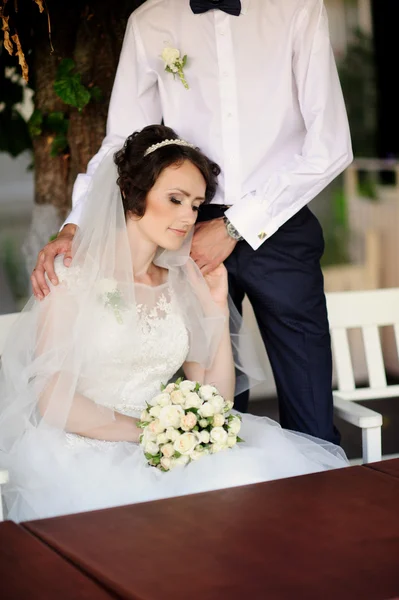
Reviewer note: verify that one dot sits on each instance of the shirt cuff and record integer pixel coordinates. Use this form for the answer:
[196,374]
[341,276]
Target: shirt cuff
[249,216]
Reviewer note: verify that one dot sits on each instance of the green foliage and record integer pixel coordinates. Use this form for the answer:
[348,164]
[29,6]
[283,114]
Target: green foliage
[68,86]
[54,124]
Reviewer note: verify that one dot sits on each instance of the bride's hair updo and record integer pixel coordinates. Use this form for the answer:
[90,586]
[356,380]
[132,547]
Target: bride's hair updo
[138,173]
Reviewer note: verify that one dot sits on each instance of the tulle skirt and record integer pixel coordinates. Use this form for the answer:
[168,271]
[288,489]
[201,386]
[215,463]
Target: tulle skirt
[53,473]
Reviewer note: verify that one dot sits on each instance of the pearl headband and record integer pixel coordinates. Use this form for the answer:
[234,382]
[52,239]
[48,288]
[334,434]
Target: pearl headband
[177,142]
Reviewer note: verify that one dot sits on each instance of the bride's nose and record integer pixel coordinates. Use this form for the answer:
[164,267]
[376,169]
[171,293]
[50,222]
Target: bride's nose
[189,215]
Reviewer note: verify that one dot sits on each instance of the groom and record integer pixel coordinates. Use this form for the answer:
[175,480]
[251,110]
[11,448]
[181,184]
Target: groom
[260,94]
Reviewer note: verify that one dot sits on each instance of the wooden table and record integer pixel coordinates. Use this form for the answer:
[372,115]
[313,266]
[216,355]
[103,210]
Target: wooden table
[30,570]
[389,467]
[331,535]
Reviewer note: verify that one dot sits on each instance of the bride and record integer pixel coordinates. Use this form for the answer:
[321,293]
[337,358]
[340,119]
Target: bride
[129,313]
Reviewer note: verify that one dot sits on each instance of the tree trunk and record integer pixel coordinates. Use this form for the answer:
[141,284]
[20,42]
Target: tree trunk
[91,33]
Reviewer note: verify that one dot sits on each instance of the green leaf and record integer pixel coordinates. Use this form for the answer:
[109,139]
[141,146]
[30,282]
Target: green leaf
[57,122]
[163,386]
[178,381]
[192,409]
[35,123]
[156,460]
[53,237]
[197,387]
[177,454]
[68,86]
[59,145]
[239,440]
[184,60]
[196,428]
[95,93]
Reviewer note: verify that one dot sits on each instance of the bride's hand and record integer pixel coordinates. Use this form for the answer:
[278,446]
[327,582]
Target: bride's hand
[217,282]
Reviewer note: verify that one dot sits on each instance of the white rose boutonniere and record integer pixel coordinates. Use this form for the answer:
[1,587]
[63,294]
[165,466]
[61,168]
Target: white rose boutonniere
[174,63]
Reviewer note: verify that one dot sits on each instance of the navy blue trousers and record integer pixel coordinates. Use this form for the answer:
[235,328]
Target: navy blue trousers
[284,284]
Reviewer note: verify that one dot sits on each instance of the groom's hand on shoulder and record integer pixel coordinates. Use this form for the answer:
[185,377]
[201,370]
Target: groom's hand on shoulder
[45,261]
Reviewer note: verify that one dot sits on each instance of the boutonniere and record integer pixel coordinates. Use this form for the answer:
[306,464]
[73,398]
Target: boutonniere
[174,63]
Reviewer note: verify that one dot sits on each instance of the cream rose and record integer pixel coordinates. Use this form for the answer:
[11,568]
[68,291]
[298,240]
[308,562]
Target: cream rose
[151,448]
[234,426]
[186,443]
[187,386]
[196,455]
[188,421]
[170,388]
[207,391]
[145,416]
[228,405]
[165,463]
[172,434]
[217,403]
[155,411]
[204,437]
[168,450]
[156,427]
[219,436]
[157,399]
[162,438]
[218,420]
[193,400]
[206,410]
[177,397]
[203,423]
[170,56]
[218,448]
[231,441]
[170,416]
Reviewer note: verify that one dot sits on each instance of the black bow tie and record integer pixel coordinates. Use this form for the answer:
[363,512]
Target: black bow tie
[232,7]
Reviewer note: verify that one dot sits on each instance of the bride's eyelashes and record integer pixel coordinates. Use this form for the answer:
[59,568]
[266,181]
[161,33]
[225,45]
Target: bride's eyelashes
[176,201]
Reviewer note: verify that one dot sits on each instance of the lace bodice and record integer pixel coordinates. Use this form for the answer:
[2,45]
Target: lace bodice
[135,352]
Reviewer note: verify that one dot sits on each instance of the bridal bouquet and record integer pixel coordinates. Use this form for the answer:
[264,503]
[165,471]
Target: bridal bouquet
[186,422]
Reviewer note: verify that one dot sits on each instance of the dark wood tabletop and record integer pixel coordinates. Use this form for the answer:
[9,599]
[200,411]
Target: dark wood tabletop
[332,535]
[390,467]
[30,570]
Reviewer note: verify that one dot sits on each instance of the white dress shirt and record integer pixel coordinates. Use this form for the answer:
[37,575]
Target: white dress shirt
[264,102]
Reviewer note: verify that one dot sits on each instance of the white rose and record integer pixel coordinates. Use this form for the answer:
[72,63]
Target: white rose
[170,416]
[151,448]
[148,436]
[186,443]
[177,397]
[192,400]
[172,434]
[168,450]
[188,421]
[228,405]
[218,448]
[170,55]
[145,416]
[204,437]
[155,411]
[234,426]
[187,386]
[156,427]
[106,286]
[196,455]
[162,399]
[206,410]
[165,463]
[218,420]
[219,436]
[162,438]
[181,461]
[203,423]
[169,388]
[231,441]
[207,391]
[217,403]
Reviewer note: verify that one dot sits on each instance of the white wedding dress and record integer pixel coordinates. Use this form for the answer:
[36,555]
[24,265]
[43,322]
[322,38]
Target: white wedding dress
[60,474]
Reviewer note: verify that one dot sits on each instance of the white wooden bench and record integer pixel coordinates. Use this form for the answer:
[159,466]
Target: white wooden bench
[368,310]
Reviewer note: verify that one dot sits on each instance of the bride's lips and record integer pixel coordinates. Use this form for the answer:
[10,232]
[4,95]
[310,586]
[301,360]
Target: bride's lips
[180,232]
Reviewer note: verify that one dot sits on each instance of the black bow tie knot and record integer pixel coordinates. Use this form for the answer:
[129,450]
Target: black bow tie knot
[232,7]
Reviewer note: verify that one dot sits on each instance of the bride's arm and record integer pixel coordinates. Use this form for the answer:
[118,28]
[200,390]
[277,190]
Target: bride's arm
[85,417]
[222,372]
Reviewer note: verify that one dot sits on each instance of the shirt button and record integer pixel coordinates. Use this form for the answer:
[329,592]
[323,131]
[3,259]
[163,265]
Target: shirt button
[262,235]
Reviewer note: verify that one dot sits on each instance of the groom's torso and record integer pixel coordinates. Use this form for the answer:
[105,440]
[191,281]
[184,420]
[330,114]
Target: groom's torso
[241,107]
